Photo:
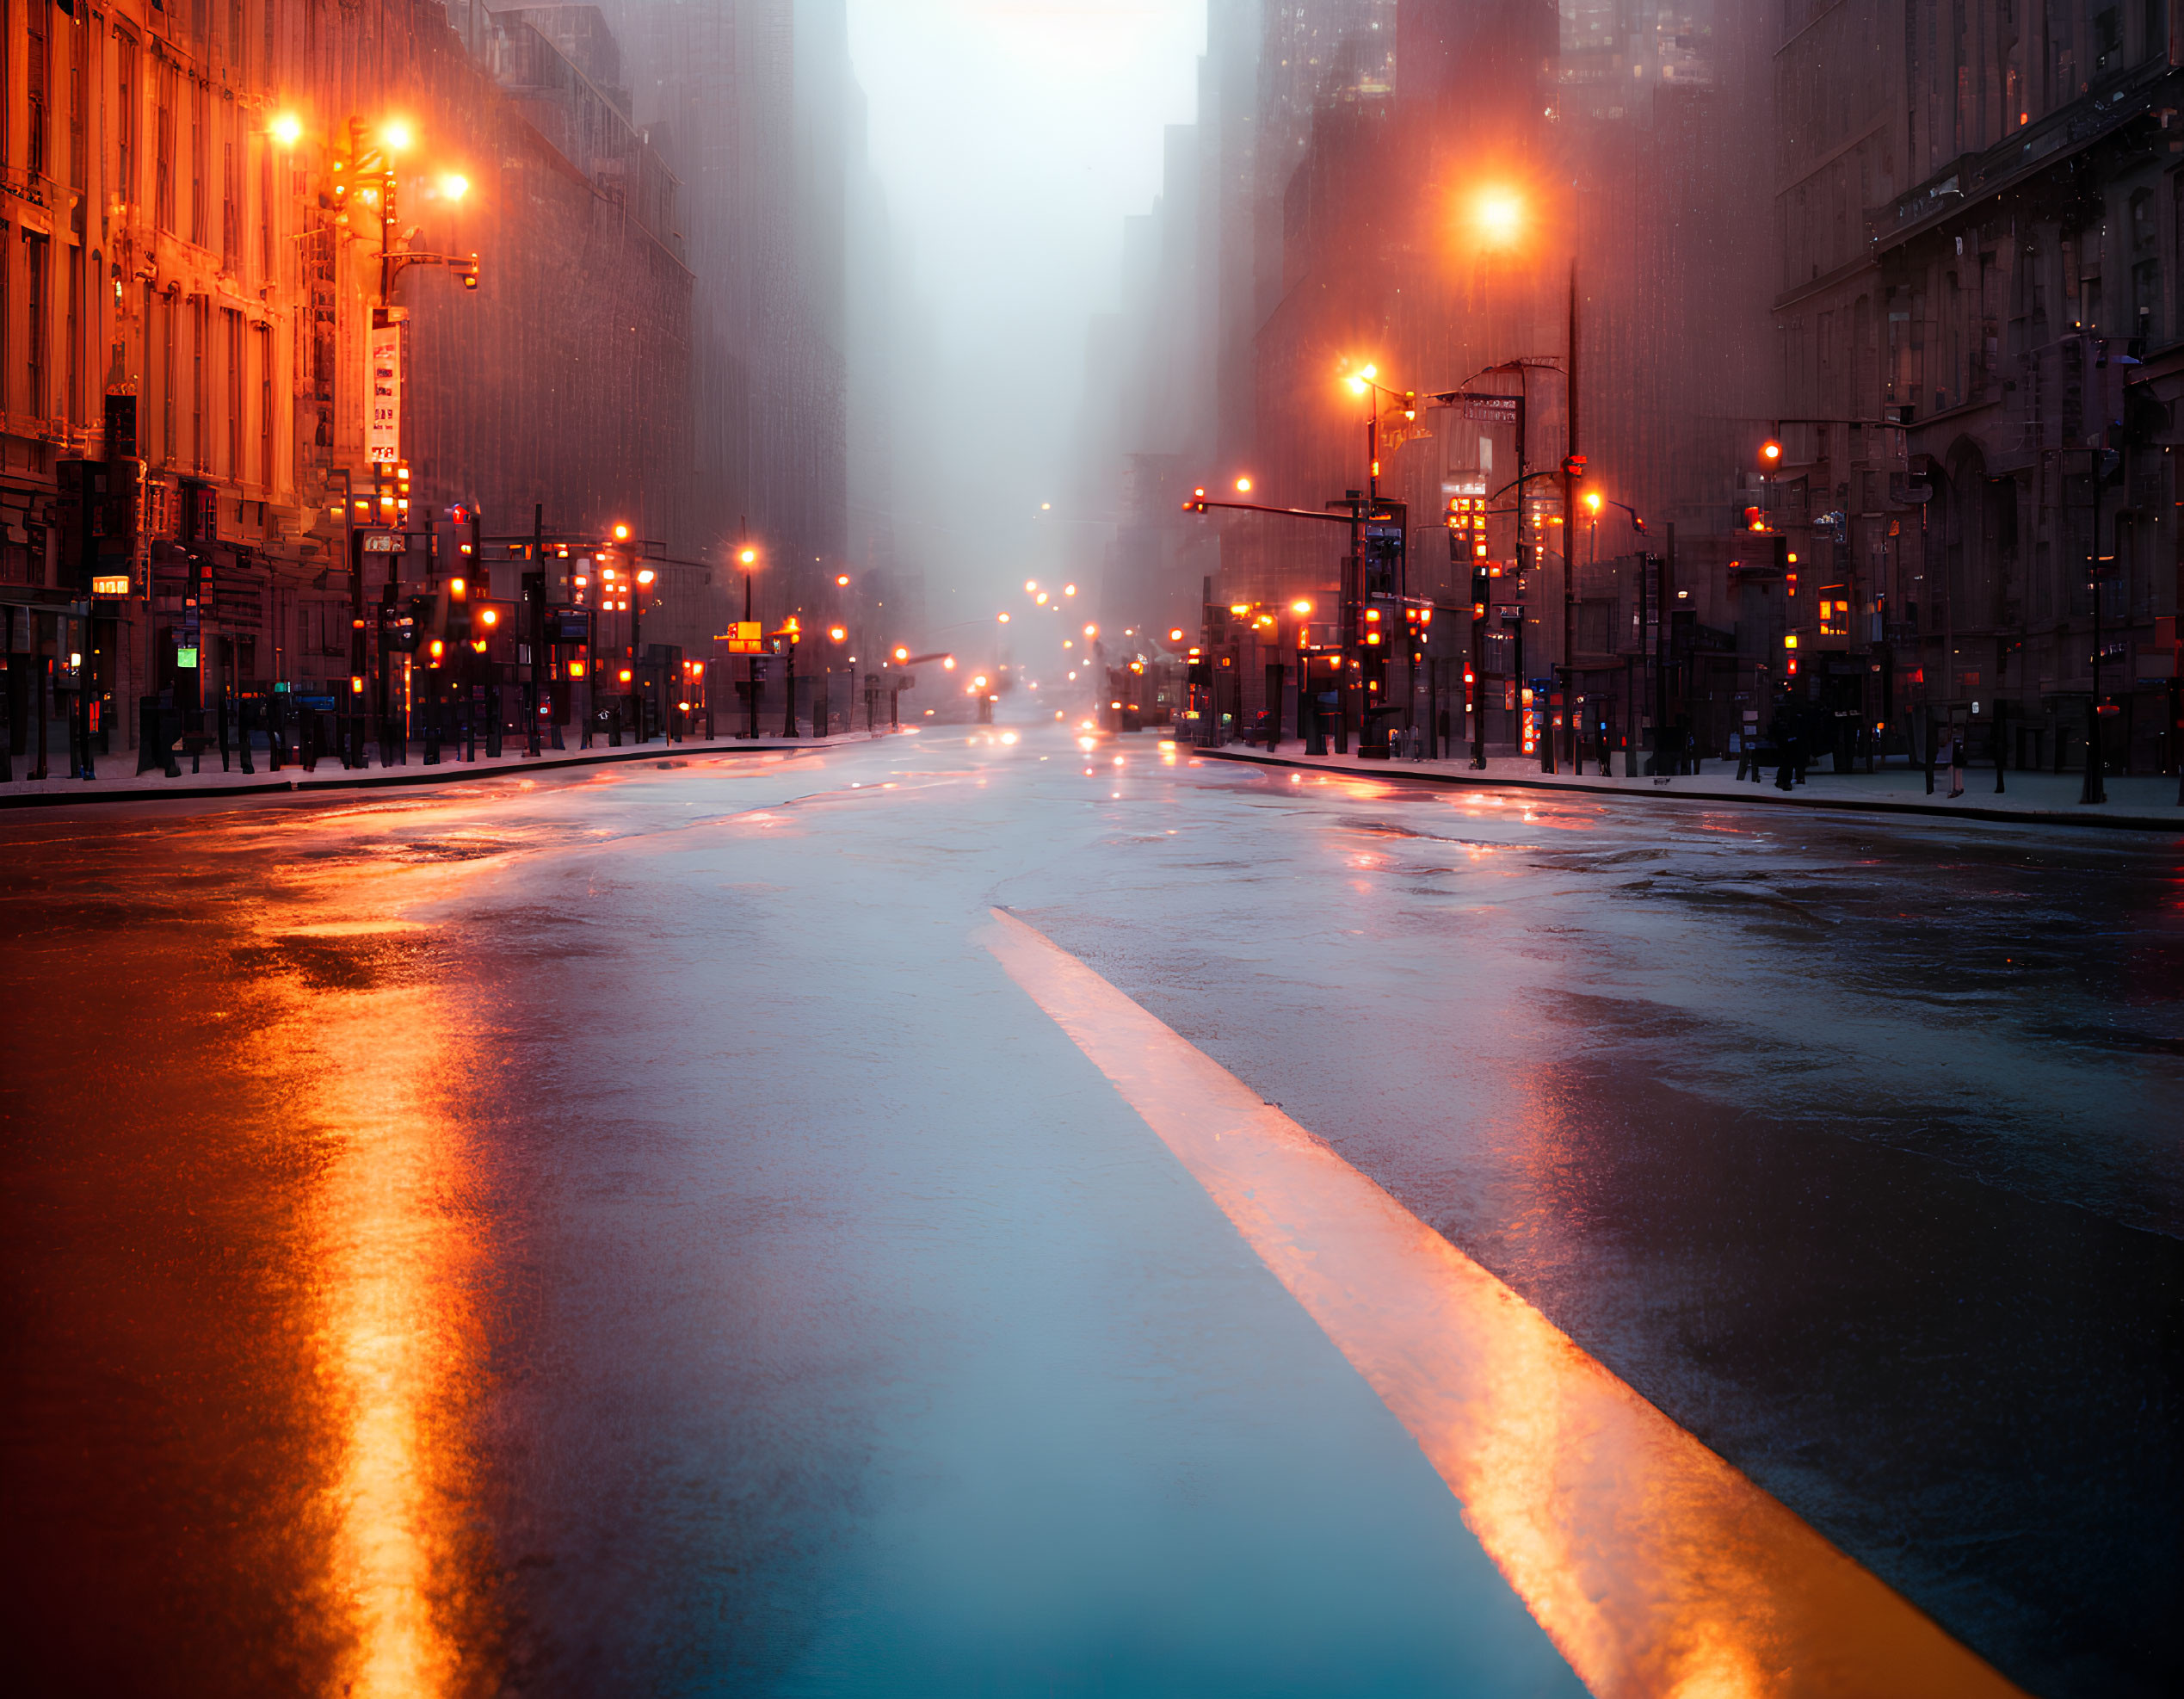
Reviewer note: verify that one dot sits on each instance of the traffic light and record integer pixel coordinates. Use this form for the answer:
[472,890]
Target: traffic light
[337,189]
[402,494]
[403,626]
[454,616]
[465,271]
[1197,503]
[1770,455]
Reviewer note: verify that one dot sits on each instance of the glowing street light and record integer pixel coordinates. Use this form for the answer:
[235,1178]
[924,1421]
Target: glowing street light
[1500,217]
[621,534]
[455,186]
[397,135]
[287,129]
[748,557]
[1300,608]
[1243,486]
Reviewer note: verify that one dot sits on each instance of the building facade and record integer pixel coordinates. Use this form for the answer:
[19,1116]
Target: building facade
[199,285]
[1979,233]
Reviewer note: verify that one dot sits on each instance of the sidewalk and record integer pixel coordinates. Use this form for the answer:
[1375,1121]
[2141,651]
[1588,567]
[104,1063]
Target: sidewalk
[119,781]
[2138,803]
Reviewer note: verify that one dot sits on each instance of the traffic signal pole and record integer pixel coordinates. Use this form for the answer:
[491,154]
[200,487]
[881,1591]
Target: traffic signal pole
[1572,466]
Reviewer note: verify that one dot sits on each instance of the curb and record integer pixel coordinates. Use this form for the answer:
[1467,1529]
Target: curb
[2043,817]
[445,773]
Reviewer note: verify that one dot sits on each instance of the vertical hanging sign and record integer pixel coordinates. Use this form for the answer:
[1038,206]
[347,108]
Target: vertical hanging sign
[383,395]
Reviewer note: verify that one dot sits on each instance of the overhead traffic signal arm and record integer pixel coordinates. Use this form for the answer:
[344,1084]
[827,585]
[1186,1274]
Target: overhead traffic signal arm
[1200,502]
[462,266]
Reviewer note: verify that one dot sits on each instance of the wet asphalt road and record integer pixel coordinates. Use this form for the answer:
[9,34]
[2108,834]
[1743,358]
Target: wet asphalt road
[620,1234]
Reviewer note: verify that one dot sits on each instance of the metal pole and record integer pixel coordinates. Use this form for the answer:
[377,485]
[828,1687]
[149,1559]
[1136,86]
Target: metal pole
[93,489]
[1568,544]
[353,745]
[532,694]
[2095,789]
[1667,564]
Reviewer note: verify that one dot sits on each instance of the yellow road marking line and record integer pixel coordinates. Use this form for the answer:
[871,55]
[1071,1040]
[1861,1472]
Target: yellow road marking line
[1653,1565]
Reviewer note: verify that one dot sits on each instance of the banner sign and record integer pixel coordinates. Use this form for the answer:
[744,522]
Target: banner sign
[383,395]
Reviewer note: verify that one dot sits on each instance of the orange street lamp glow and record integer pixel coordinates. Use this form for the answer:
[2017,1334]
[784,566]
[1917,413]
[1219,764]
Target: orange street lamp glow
[1243,486]
[1003,618]
[901,653]
[621,534]
[1770,452]
[287,129]
[1069,589]
[398,135]
[839,633]
[1300,607]
[1091,631]
[1592,500]
[1500,217]
[748,557]
[455,186]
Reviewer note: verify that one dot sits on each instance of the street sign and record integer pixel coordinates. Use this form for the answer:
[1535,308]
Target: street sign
[745,637]
[1489,409]
[385,542]
[570,625]
[117,586]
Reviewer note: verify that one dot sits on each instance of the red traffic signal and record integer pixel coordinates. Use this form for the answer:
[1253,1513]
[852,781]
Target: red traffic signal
[1770,454]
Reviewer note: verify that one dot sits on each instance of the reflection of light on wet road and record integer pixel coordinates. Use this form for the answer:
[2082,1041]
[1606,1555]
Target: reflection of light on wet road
[393,1338]
[1655,1568]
